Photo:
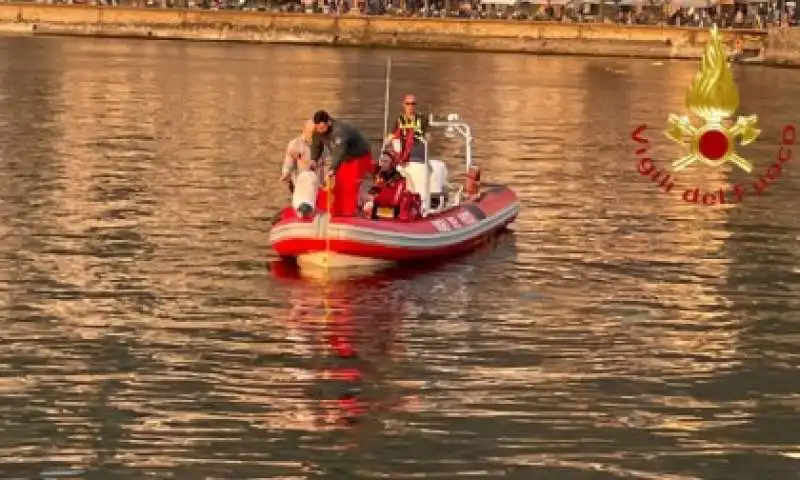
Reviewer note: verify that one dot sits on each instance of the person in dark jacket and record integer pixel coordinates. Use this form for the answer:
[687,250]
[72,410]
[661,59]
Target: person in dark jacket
[351,161]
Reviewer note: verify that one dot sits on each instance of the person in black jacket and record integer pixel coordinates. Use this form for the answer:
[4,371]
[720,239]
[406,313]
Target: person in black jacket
[351,160]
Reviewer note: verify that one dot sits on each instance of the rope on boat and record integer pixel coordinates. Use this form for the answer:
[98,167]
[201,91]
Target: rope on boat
[329,188]
[328,313]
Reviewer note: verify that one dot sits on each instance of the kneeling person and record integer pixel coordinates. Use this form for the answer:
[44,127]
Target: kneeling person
[387,190]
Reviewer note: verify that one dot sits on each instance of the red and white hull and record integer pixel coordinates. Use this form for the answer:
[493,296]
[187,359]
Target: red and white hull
[354,241]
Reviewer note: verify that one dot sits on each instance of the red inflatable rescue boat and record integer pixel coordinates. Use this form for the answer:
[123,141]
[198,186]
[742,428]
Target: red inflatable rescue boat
[449,223]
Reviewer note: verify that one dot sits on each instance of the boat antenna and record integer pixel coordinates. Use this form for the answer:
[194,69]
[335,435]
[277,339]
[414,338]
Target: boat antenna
[386,99]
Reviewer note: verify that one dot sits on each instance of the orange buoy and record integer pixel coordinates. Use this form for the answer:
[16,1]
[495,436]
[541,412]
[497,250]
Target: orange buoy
[472,184]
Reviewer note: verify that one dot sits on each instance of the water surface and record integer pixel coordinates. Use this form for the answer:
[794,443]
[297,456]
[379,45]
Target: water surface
[617,332]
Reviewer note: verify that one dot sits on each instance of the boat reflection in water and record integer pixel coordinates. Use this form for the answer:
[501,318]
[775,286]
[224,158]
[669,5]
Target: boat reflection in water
[348,322]
[348,328]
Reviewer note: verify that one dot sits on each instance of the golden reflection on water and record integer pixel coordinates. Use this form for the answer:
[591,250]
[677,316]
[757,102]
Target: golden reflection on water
[144,315]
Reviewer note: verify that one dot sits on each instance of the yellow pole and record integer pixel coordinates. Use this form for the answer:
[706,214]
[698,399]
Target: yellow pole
[329,187]
[327,311]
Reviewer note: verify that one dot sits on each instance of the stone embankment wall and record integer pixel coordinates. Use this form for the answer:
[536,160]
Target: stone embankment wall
[782,47]
[484,35]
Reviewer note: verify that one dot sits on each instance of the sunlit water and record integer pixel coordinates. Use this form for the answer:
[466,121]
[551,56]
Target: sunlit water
[616,332]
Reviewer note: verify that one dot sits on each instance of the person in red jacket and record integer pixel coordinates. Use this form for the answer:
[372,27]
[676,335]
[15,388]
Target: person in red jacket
[387,188]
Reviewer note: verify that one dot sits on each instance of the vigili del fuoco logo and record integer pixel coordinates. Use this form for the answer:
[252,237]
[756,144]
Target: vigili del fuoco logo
[711,136]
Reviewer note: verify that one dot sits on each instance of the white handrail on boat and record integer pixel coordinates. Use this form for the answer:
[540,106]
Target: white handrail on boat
[426,187]
[452,125]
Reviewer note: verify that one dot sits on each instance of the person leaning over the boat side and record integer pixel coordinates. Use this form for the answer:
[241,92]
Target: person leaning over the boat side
[410,121]
[298,156]
[351,161]
[300,171]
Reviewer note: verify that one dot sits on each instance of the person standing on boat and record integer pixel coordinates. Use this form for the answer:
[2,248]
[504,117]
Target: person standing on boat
[300,171]
[412,125]
[298,156]
[351,161]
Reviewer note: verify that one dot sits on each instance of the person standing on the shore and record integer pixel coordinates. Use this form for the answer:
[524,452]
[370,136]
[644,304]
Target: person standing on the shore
[351,161]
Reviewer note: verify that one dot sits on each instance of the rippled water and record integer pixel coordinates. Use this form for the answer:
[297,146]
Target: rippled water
[617,332]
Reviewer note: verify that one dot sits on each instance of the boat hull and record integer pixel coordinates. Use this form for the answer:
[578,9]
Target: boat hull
[344,241]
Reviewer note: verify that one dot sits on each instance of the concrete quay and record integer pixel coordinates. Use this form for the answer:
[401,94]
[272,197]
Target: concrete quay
[776,47]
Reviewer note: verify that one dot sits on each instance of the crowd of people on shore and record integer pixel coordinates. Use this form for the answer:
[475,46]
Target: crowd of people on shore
[648,12]
[758,15]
